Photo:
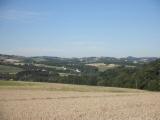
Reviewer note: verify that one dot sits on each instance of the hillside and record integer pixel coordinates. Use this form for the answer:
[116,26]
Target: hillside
[21,85]
[131,72]
[9,69]
[48,101]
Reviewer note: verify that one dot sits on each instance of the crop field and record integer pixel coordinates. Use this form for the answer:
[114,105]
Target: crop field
[102,67]
[49,101]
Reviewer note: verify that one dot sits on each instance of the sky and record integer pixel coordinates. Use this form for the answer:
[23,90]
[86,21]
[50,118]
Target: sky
[80,28]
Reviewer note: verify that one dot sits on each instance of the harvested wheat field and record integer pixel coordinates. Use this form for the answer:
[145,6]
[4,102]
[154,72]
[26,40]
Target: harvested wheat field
[18,103]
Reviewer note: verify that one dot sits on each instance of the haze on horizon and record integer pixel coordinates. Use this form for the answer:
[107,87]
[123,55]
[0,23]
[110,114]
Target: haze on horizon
[80,28]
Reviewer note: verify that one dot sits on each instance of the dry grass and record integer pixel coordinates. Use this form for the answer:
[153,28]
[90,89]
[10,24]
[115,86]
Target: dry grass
[59,87]
[58,105]
[30,104]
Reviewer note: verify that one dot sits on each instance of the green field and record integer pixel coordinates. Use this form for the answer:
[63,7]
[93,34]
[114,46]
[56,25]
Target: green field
[60,87]
[9,69]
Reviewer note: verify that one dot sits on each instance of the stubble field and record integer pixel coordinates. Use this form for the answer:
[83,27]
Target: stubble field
[18,103]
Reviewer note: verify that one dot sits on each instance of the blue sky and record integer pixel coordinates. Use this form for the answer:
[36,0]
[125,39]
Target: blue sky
[76,28]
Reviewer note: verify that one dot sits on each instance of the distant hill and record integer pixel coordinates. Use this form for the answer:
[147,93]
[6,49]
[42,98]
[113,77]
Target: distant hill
[86,60]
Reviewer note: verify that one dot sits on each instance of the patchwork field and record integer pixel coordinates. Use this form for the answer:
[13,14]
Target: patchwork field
[47,101]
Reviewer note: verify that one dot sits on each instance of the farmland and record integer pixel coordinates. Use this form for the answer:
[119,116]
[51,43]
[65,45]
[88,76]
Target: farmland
[20,85]
[50,101]
[102,66]
[9,69]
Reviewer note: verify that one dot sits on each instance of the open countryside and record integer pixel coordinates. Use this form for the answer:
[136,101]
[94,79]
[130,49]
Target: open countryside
[80,60]
[69,88]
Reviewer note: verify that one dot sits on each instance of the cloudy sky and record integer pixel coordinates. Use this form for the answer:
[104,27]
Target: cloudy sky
[76,28]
